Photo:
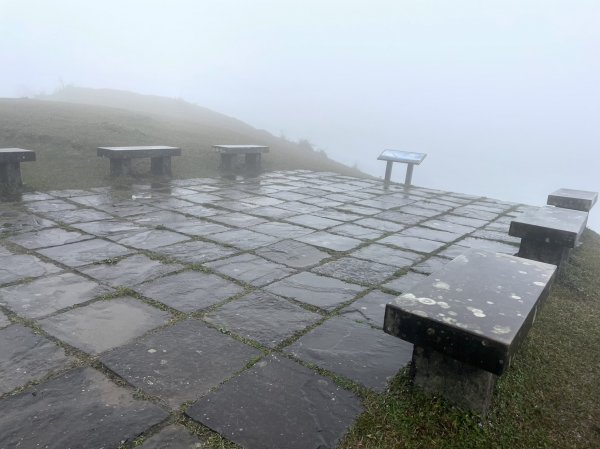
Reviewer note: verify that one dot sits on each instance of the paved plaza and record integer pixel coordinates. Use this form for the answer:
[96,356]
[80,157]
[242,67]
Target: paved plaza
[251,309]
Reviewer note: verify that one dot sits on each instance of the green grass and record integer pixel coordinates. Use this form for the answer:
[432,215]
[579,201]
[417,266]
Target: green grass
[549,398]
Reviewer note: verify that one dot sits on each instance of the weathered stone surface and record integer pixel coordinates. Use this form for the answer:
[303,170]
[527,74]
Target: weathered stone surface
[244,239]
[474,212]
[300,208]
[4,321]
[490,234]
[16,267]
[273,213]
[292,253]
[369,309]
[394,257]
[404,282]
[430,264]
[324,292]
[279,404]
[195,252]
[251,269]
[352,269]
[80,409]
[281,230]
[353,350]
[86,252]
[130,271]
[78,215]
[338,215]
[360,210]
[431,234]
[238,219]
[107,228]
[46,295]
[149,239]
[190,291]
[12,220]
[48,237]
[488,245]
[573,199]
[465,221]
[330,241]
[412,243]
[25,356]
[172,437]
[313,221]
[263,317]
[400,217]
[381,225]
[49,206]
[104,325]
[180,363]
[356,231]
[448,226]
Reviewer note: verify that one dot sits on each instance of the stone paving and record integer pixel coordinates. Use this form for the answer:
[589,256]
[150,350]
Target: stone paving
[205,311]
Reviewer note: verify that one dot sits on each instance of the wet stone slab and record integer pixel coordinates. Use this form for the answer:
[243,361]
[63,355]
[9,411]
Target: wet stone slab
[26,356]
[279,404]
[465,221]
[488,245]
[78,216]
[412,243]
[49,206]
[330,241]
[400,217]
[4,321]
[404,282]
[262,317]
[80,409]
[106,228]
[320,291]
[313,221]
[356,270]
[130,271]
[49,294]
[104,325]
[17,267]
[353,350]
[173,437]
[251,269]
[273,213]
[181,362]
[281,230]
[196,227]
[189,291]
[448,226]
[84,253]
[244,239]
[381,225]
[369,309]
[356,231]
[48,237]
[395,257]
[238,220]
[195,252]
[149,239]
[292,253]
[431,234]
[13,220]
[430,264]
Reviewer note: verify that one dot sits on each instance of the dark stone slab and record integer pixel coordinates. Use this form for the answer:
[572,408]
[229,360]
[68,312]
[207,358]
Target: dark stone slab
[313,221]
[488,245]
[369,309]
[46,295]
[104,325]
[573,199]
[330,241]
[281,230]
[80,409]
[26,356]
[356,231]
[78,215]
[251,269]
[476,309]
[10,155]
[262,317]
[292,253]
[412,243]
[149,239]
[381,225]
[320,291]
[19,266]
[48,237]
[279,404]
[244,239]
[190,291]
[361,271]
[431,234]
[197,227]
[180,363]
[130,271]
[353,350]
[490,234]
[394,257]
[195,252]
[405,282]
[430,264]
[172,437]
[86,252]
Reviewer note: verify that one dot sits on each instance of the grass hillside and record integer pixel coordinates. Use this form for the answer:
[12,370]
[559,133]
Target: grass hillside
[65,129]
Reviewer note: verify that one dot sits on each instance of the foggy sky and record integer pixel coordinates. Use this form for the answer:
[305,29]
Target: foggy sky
[504,96]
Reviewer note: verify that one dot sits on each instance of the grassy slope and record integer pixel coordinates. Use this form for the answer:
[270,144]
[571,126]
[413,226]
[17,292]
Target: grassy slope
[550,398]
[65,135]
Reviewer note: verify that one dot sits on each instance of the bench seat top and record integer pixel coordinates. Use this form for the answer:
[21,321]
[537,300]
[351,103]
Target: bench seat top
[573,199]
[476,309]
[240,149]
[138,151]
[407,157]
[8,155]
[563,226]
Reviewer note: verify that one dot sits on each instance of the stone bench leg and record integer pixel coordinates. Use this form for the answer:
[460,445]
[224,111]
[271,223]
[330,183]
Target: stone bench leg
[226,166]
[388,174]
[160,166]
[252,164]
[543,251]
[120,167]
[464,385]
[10,176]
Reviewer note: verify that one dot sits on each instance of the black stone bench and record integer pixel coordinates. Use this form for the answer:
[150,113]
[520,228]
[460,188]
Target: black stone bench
[466,322]
[549,233]
[120,158]
[252,154]
[10,167]
[582,200]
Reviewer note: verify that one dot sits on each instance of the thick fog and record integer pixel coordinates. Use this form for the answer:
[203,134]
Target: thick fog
[504,96]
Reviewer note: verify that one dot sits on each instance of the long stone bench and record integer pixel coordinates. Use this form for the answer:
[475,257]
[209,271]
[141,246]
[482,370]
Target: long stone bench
[252,154]
[549,233]
[582,200]
[120,158]
[467,321]
[10,167]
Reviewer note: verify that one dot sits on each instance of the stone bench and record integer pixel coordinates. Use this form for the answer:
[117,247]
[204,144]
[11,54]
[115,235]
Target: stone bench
[10,167]
[120,158]
[409,158]
[252,154]
[549,233]
[466,322]
[573,199]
